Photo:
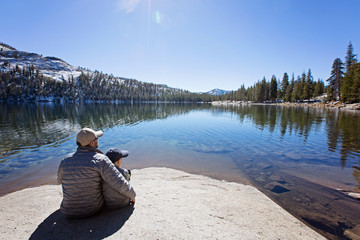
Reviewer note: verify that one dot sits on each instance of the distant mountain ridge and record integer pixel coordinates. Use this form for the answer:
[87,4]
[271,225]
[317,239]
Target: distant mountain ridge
[217,92]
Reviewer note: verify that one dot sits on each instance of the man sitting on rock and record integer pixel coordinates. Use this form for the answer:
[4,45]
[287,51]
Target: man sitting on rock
[82,174]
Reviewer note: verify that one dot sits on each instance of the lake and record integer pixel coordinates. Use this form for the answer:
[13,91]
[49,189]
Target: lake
[298,156]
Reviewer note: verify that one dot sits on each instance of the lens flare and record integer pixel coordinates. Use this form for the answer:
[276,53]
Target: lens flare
[157,17]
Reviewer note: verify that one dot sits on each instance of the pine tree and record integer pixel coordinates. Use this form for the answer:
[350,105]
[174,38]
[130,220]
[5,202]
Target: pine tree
[289,90]
[350,58]
[357,82]
[261,91]
[319,88]
[284,84]
[308,87]
[347,87]
[350,88]
[242,93]
[297,92]
[273,88]
[335,79]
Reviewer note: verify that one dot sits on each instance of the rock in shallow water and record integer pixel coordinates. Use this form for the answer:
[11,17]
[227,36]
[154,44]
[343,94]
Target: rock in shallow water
[276,187]
[353,233]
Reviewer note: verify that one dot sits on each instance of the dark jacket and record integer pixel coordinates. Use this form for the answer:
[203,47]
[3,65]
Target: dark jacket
[81,175]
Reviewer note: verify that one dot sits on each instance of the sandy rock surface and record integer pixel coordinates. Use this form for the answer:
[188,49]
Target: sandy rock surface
[170,204]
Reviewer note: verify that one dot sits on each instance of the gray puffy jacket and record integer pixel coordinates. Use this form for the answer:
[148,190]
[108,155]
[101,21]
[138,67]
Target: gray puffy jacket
[81,175]
[114,199]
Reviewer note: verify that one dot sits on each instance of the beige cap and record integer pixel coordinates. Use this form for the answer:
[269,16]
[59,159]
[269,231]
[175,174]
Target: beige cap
[87,135]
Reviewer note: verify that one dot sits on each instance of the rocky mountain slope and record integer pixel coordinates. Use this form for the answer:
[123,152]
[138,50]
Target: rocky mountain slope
[51,67]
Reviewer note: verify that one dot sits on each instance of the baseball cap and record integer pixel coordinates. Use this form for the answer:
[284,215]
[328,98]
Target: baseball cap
[87,135]
[115,154]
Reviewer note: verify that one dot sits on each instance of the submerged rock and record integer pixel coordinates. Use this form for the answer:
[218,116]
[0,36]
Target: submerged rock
[277,178]
[276,187]
[352,194]
[328,225]
[353,233]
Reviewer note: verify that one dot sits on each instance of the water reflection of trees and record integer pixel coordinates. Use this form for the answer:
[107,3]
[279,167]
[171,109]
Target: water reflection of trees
[297,120]
[342,127]
[344,132]
[34,125]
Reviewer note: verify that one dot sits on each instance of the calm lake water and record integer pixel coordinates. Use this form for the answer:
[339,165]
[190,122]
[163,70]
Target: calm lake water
[298,156]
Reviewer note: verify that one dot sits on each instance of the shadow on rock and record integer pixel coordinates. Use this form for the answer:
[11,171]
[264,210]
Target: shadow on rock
[103,224]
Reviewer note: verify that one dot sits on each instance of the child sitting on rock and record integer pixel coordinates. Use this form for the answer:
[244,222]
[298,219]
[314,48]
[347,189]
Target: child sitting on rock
[112,198]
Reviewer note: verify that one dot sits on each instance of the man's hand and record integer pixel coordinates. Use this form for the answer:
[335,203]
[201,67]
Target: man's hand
[132,201]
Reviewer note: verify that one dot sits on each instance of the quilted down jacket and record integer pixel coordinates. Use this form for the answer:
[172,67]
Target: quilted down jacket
[114,199]
[81,175]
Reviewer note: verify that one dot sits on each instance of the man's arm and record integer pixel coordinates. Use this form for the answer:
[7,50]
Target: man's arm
[124,172]
[115,179]
[59,174]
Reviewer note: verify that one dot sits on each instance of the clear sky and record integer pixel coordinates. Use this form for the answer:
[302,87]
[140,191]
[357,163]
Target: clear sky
[195,45]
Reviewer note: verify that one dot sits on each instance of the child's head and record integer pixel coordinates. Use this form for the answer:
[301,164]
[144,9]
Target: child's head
[116,155]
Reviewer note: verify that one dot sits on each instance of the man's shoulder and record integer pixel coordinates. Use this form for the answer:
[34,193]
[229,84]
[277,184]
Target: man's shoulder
[69,155]
[91,157]
[100,155]
[101,158]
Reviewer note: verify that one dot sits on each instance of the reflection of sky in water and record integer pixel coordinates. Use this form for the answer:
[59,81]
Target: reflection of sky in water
[222,133]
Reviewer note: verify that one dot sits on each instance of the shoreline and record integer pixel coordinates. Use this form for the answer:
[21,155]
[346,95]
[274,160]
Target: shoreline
[336,105]
[203,207]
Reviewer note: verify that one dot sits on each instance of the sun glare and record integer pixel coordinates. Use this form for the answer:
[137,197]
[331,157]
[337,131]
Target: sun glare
[157,17]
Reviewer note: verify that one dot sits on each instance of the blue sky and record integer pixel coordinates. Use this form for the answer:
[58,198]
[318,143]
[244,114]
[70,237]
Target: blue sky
[195,45]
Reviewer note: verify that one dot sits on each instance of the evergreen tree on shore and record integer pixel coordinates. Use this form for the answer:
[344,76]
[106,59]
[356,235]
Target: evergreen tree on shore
[308,87]
[350,88]
[273,88]
[284,85]
[297,92]
[289,90]
[319,88]
[350,58]
[335,79]
[350,85]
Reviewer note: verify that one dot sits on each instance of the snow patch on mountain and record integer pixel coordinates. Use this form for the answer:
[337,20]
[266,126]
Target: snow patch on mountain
[51,67]
[5,47]
[217,92]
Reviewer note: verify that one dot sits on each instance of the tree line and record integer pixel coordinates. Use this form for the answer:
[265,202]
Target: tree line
[28,84]
[302,88]
[345,85]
